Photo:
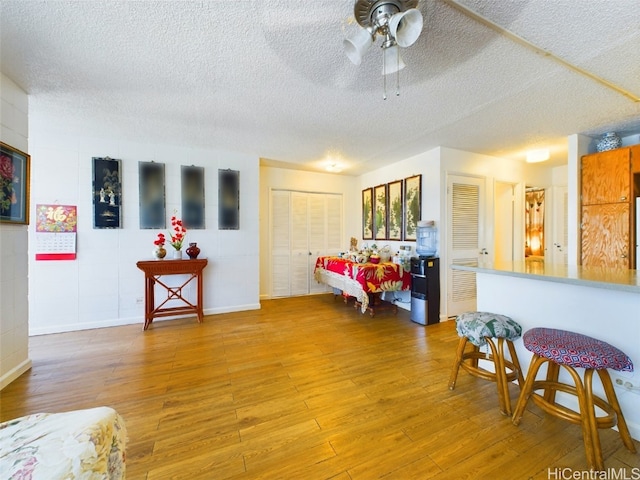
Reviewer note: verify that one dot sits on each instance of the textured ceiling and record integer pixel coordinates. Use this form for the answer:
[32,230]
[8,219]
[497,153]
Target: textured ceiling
[270,78]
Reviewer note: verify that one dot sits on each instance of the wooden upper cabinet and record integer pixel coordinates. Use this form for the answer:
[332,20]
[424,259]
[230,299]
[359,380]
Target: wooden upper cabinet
[606,177]
[605,238]
[635,158]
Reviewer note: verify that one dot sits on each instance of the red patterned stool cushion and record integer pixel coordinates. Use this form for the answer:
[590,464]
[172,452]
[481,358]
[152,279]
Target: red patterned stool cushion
[575,349]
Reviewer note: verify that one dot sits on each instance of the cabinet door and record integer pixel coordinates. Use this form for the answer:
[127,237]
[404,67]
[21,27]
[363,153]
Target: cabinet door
[605,235]
[606,177]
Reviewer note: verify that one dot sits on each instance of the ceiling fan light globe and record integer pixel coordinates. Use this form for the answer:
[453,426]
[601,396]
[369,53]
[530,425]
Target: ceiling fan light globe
[392,60]
[406,27]
[356,46]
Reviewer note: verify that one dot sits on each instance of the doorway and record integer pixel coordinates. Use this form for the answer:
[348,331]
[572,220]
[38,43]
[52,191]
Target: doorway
[534,213]
[504,221]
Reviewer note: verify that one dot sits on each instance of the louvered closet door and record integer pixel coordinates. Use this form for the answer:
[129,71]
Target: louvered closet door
[299,243]
[317,236]
[280,243]
[325,232]
[304,226]
[465,242]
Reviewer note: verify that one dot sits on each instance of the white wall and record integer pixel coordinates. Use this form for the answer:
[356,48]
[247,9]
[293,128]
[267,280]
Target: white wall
[302,181]
[603,313]
[103,287]
[14,307]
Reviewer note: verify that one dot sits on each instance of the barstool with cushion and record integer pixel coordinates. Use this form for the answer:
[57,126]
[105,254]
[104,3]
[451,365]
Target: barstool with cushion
[481,328]
[561,348]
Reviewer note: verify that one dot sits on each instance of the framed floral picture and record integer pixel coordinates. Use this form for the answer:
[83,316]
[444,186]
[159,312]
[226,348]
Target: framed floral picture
[367,214]
[14,185]
[395,205]
[380,212]
[412,206]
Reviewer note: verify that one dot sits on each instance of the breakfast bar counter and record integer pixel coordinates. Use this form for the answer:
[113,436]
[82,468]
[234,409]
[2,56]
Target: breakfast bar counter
[602,303]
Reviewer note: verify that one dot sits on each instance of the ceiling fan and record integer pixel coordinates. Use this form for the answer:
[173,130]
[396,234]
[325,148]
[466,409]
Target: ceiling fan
[398,22]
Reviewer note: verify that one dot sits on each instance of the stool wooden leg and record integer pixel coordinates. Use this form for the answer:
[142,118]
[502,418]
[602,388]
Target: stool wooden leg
[588,418]
[527,388]
[501,375]
[613,401]
[553,370]
[456,364]
[514,360]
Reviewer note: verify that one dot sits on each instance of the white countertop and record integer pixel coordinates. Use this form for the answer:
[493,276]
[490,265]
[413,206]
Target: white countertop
[598,277]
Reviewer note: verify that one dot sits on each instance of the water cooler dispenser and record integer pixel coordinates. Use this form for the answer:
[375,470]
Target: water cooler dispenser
[425,276]
[425,290]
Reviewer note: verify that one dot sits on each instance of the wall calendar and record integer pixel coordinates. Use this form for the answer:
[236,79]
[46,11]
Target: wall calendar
[55,236]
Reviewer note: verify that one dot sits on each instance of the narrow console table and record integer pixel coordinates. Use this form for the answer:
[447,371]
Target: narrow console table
[153,270]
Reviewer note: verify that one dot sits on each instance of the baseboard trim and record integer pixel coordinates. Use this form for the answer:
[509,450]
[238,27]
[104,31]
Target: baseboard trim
[14,373]
[49,329]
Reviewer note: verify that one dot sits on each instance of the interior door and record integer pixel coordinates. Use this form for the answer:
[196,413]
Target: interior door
[299,243]
[304,226]
[280,213]
[465,239]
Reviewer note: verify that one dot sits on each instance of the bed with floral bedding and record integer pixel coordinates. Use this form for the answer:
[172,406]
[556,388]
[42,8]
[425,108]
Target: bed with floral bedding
[81,444]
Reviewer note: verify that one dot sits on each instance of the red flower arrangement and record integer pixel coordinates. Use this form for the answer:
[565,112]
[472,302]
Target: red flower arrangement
[159,242]
[178,234]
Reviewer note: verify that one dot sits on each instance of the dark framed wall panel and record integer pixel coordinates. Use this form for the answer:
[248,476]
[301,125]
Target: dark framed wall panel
[107,193]
[152,195]
[192,197]
[228,200]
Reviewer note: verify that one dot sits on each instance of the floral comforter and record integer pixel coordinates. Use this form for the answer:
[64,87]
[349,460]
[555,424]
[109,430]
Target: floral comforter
[360,279]
[82,444]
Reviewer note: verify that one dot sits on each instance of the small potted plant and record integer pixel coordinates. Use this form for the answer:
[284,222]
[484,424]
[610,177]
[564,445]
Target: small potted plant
[177,236]
[159,252]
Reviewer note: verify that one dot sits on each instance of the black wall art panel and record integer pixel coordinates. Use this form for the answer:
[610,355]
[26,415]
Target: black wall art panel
[193,197]
[152,195]
[228,200]
[107,193]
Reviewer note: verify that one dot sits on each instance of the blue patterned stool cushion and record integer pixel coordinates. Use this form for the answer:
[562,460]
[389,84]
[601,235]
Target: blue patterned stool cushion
[575,349]
[478,325]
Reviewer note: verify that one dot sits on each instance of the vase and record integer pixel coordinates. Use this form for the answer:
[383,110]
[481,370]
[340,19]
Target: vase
[609,141]
[193,250]
[177,254]
[159,253]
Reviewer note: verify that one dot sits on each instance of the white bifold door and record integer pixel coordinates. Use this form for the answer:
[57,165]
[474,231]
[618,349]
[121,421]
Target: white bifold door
[304,226]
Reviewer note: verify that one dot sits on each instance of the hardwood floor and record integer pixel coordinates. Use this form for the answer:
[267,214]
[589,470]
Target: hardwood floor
[305,388]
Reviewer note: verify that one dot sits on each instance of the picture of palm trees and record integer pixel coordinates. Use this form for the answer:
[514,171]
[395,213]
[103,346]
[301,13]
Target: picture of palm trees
[380,212]
[395,210]
[367,214]
[412,206]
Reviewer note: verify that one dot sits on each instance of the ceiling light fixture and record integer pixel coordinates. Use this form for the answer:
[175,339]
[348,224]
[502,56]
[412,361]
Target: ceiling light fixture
[539,155]
[334,167]
[398,22]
